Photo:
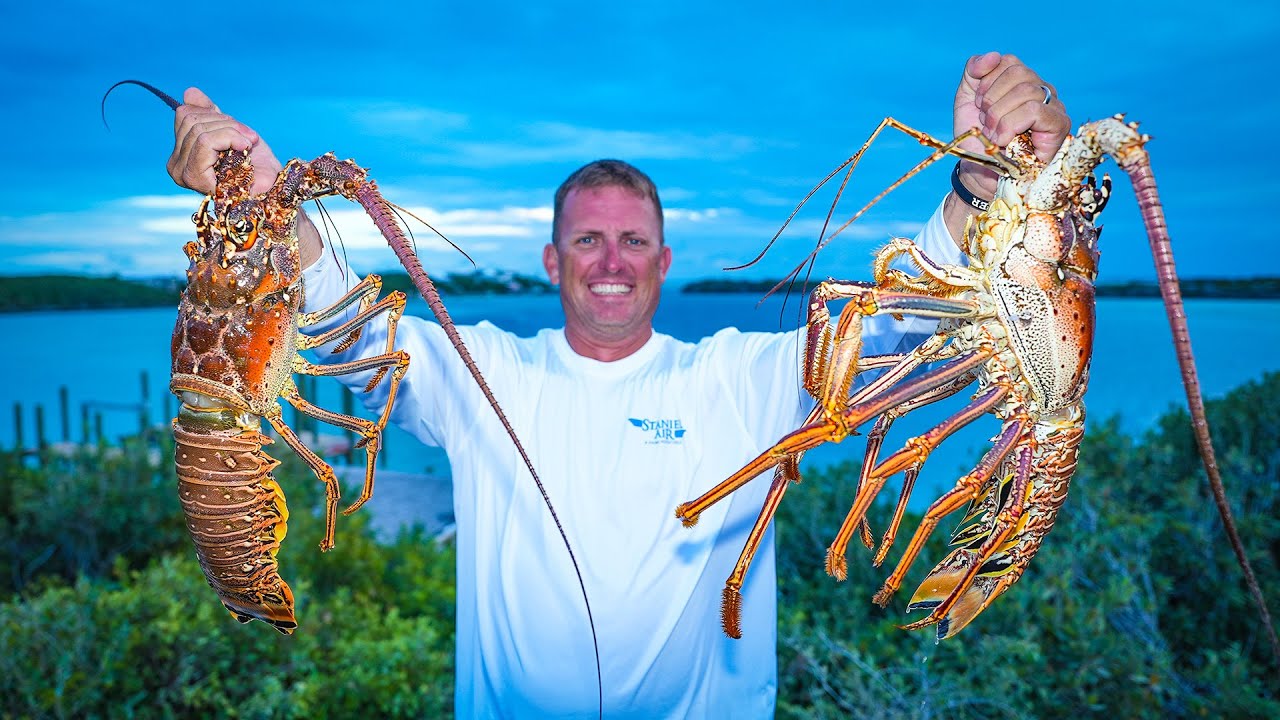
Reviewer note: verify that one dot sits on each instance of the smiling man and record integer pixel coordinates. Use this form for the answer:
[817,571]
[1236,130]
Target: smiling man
[608,256]
[623,423]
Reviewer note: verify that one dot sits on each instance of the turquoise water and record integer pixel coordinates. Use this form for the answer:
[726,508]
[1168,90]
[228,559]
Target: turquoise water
[99,355]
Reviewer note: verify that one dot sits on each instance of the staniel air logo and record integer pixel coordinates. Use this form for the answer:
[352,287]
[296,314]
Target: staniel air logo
[665,432]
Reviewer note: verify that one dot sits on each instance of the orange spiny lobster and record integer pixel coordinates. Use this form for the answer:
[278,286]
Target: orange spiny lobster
[1018,320]
[235,347]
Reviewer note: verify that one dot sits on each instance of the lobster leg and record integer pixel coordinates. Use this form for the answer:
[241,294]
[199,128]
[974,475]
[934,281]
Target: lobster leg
[914,454]
[830,366]
[870,460]
[786,455]
[370,432]
[928,351]
[786,472]
[966,490]
[322,470]
[366,292]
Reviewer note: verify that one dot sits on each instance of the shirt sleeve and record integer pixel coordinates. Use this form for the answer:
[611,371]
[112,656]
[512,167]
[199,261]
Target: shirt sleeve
[882,334]
[432,359]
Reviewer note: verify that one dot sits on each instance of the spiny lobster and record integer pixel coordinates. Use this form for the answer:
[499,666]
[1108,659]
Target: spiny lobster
[235,347]
[1019,321]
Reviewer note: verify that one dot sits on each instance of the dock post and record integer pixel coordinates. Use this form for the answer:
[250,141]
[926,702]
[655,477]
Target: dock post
[17,427]
[144,420]
[64,413]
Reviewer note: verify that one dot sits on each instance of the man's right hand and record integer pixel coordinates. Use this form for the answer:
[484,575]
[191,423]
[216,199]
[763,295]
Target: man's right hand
[200,132]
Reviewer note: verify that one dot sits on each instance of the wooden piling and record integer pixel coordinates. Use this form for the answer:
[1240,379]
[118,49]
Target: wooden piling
[17,428]
[64,414]
[144,419]
[41,442]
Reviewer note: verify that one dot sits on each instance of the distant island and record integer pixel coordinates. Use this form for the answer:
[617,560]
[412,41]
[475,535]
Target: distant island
[27,293]
[1263,288]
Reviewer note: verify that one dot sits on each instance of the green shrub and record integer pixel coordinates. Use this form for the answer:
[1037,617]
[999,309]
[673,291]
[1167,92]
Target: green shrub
[78,514]
[151,639]
[1134,607]
[159,645]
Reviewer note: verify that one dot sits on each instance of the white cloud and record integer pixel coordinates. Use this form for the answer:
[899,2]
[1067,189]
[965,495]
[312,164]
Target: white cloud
[678,215]
[164,202]
[358,231]
[412,121]
[168,225]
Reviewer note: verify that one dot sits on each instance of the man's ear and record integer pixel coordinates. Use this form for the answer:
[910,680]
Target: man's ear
[551,263]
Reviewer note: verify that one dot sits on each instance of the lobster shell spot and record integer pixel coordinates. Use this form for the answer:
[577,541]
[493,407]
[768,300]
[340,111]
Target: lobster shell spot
[214,367]
[184,361]
[201,334]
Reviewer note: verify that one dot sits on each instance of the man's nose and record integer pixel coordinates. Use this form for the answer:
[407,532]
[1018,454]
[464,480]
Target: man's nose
[612,256]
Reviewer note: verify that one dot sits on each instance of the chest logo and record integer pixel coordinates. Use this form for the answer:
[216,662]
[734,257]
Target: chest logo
[660,432]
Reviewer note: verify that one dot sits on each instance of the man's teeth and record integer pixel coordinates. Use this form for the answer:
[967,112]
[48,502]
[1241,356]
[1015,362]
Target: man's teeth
[610,289]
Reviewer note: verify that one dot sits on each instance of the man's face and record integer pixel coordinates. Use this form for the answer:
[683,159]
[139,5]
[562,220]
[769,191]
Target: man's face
[610,262]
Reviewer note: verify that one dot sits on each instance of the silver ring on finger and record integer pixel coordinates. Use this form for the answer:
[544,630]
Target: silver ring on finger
[1048,94]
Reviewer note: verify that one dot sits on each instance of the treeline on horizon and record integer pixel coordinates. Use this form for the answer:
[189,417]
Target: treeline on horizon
[26,293]
[1133,608]
[1259,288]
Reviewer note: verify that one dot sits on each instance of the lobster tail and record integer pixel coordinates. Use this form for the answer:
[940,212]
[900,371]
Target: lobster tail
[236,514]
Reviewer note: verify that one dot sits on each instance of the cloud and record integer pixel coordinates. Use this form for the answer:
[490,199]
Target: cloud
[162,202]
[413,121]
[168,225]
[678,215]
[358,231]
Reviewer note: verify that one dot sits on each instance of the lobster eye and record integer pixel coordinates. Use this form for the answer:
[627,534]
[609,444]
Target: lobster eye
[242,224]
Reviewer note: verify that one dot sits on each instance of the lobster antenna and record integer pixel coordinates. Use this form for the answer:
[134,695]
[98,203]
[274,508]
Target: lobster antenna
[1137,165]
[941,150]
[166,97]
[791,217]
[852,162]
[401,209]
[327,222]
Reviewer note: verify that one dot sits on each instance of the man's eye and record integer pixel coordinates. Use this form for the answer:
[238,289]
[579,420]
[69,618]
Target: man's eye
[635,241]
[586,240]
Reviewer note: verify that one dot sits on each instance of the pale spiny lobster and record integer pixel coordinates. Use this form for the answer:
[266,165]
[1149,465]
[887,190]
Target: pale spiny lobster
[235,347]
[1019,321]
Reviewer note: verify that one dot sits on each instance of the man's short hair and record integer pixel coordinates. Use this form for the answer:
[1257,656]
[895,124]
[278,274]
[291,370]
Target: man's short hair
[606,173]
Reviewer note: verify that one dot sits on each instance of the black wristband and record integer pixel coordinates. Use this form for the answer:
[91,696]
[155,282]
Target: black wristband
[969,198]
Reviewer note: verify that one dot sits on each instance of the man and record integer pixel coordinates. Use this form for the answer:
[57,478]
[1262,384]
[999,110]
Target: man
[622,424]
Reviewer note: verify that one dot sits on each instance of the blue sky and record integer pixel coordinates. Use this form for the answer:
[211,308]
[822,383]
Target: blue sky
[472,117]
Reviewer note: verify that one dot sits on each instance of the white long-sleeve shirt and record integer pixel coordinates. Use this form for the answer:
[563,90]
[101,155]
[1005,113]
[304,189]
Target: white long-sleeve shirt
[617,445]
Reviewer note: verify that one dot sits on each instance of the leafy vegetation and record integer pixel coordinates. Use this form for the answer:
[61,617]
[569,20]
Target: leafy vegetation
[480,282]
[1134,607]
[76,292]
